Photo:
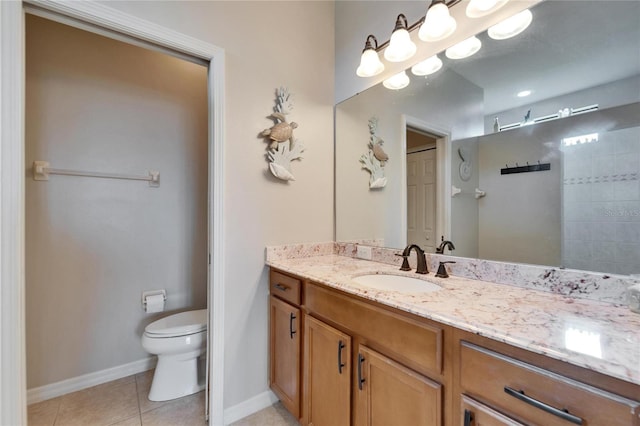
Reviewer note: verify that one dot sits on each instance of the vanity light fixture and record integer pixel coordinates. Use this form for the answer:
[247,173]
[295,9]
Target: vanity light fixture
[512,26]
[464,49]
[400,47]
[480,8]
[397,82]
[438,23]
[427,67]
[370,63]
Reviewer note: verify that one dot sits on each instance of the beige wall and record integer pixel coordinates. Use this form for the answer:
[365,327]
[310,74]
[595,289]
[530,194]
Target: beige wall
[267,44]
[93,245]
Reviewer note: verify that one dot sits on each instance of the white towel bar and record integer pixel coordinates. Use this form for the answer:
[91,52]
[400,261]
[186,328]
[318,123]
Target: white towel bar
[41,171]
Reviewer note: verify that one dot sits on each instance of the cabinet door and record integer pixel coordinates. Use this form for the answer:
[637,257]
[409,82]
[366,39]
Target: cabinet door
[285,354]
[327,390]
[477,414]
[391,394]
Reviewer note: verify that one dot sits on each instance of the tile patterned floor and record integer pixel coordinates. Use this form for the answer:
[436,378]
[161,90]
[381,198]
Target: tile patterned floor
[276,415]
[124,402]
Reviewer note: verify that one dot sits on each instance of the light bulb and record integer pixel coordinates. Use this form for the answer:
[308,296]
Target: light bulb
[512,26]
[397,82]
[438,23]
[427,67]
[370,64]
[464,49]
[400,46]
[479,8]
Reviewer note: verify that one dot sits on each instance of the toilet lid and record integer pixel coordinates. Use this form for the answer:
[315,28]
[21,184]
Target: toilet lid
[179,324]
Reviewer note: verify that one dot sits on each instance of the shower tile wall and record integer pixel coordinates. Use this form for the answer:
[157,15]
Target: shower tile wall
[601,203]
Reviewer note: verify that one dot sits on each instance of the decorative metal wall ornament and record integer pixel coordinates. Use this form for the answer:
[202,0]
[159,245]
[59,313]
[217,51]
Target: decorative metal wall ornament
[376,158]
[283,147]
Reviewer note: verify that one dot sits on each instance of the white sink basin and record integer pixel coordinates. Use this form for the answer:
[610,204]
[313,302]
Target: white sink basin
[396,283]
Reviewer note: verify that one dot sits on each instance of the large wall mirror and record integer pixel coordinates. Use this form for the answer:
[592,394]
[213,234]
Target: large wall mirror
[550,178]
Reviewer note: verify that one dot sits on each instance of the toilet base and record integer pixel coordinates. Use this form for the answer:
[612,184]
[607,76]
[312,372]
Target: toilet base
[177,376]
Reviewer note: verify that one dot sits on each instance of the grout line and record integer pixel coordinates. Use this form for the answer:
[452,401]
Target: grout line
[55,419]
[138,399]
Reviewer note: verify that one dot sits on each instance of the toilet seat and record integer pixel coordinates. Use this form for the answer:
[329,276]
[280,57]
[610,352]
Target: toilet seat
[180,324]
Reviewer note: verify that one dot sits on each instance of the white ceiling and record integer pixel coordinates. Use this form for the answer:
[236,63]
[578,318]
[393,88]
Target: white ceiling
[570,45]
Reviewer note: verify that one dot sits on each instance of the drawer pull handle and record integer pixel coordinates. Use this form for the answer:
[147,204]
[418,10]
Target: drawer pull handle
[563,414]
[281,287]
[361,380]
[291,330]
[468,417]
[340,363]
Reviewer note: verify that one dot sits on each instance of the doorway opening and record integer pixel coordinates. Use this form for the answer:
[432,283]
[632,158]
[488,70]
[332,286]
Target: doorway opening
[427,182]
[100,19]
[421,189]
[94,245]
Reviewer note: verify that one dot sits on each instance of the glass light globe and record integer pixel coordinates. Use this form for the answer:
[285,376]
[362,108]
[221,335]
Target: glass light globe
[400,46]
[464,49]
[370,64]
[438,23]
[512,26]
[479,8]
[397,82]
[427,67]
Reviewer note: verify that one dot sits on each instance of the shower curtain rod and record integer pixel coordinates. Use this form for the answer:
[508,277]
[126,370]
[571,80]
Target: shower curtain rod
[41,171]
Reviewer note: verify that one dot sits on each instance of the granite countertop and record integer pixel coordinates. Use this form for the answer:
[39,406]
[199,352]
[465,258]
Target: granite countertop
[590,334]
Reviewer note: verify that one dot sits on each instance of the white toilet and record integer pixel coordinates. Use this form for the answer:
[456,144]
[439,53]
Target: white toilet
[178,340]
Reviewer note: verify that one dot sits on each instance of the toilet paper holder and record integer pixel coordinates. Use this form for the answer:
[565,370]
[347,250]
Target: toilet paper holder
[146,294]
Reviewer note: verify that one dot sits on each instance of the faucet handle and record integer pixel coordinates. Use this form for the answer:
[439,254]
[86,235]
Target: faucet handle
[442,270]
[405,262]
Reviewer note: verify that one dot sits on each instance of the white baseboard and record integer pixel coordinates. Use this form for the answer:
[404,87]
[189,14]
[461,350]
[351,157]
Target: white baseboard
[250,406]
[87,380]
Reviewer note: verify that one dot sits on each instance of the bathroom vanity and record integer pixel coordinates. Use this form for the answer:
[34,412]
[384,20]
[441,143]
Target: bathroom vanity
[471,353]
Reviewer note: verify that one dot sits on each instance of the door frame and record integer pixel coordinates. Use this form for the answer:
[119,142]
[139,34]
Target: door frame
[106,21]
[443,173]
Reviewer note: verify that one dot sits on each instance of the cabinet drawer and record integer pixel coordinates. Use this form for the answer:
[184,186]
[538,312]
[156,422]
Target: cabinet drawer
[477,414]
[412,343]
[537,396]
[285,287]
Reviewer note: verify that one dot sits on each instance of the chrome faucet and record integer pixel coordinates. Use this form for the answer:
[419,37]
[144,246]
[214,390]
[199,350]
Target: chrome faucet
[421,267]
[444,244]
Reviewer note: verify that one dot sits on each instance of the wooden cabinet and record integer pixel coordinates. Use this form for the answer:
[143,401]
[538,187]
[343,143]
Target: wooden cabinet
[392,353]
[285,321]
[338,359]
[327,388]
[418,344]
[537,396]
[390,394]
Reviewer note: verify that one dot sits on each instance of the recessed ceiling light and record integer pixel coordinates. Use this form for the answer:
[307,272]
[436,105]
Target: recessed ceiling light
[524,93]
